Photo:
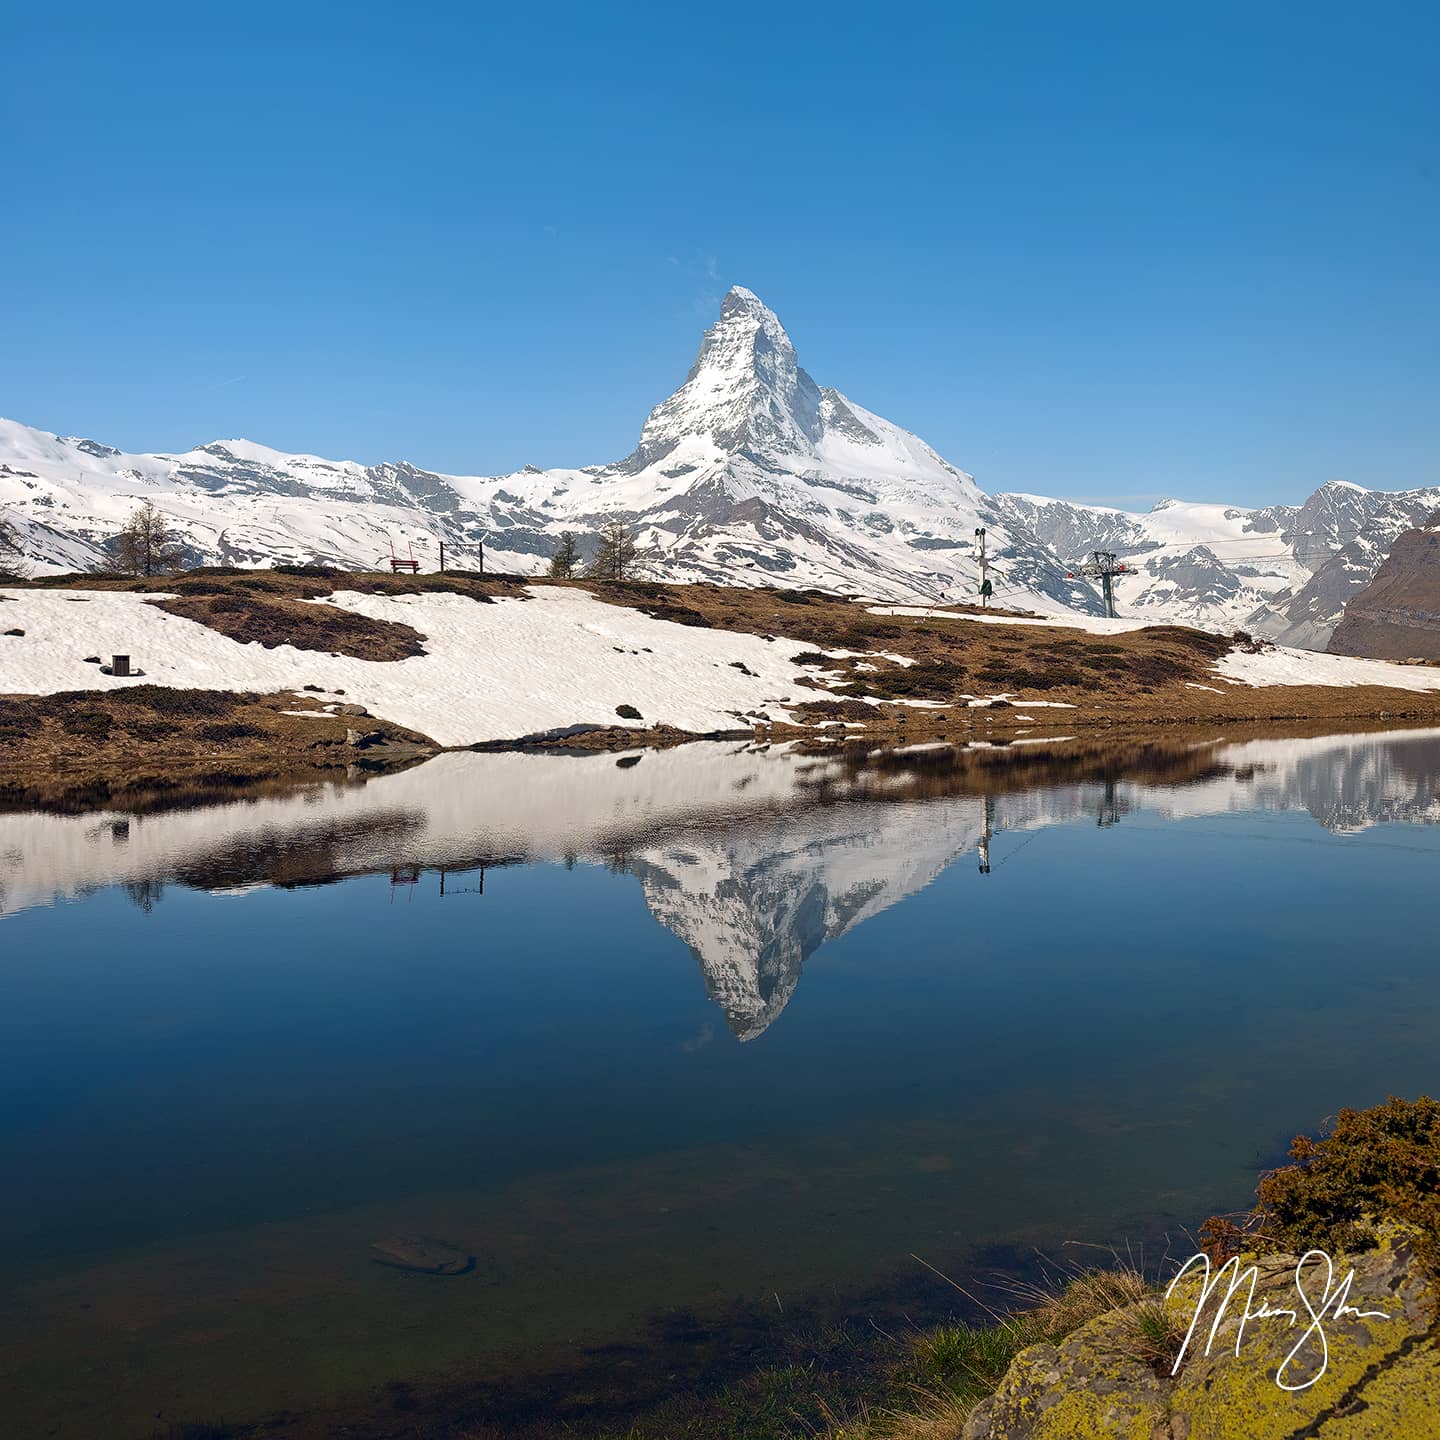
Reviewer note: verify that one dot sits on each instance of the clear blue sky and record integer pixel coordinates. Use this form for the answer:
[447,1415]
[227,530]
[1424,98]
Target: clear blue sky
[1109,251]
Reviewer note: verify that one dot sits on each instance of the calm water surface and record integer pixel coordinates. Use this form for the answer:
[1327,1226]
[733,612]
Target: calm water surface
[662,1034]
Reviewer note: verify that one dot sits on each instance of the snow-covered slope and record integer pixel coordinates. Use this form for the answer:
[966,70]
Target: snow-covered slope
[232,502]
[1283,570]
[498,671]
[749,473]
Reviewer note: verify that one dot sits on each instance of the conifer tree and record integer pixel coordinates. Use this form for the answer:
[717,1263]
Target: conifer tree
[12,553]
[617,554]
[566,560]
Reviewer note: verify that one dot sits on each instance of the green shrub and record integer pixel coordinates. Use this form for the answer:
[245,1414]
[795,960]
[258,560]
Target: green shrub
[1375,1163]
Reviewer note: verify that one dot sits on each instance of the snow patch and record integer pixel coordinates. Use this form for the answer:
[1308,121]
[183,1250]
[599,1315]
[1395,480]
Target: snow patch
[491,672]
[1281,666]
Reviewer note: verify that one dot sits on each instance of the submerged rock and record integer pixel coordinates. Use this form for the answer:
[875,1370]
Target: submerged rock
[421,1253]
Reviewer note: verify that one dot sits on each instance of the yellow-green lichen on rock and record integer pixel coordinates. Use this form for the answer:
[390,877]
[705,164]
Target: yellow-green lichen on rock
[1090,1385]
[1224,1395]
[1380,1381]
[1402,1402]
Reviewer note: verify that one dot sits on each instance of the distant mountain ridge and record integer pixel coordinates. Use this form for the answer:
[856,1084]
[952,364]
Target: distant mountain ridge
[749,473]
[1285,571]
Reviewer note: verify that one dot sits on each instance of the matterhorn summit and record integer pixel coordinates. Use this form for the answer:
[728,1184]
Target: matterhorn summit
[745,391]
[751,473]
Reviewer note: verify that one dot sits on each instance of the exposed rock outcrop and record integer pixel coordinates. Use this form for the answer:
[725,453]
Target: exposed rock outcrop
[1376,1378]
[1397,615]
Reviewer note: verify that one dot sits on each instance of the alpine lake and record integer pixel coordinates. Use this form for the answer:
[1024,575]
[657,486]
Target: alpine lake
[658,1054]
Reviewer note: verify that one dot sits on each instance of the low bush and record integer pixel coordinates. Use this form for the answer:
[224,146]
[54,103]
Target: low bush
[1017,676]
[184,704]
[838,709]
[93,724]
[1374,1163]
[151,730]
[231,730]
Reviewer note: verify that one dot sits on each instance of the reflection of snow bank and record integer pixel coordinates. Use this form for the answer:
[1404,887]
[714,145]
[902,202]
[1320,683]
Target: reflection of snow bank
[491,672]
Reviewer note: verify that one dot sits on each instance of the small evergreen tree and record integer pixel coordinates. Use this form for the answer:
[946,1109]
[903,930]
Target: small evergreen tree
[12,553]
[617,552]
[566,560]
[147,545]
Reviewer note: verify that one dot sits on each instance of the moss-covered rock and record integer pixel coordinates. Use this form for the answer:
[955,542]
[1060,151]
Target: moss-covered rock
[1380,1380]
[1090,1385]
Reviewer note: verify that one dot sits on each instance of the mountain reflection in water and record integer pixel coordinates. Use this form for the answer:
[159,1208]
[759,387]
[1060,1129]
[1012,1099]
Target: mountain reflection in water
[753,856]
[1063,991]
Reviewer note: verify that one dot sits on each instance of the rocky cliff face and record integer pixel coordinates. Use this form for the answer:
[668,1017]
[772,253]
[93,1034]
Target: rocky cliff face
[1397,615]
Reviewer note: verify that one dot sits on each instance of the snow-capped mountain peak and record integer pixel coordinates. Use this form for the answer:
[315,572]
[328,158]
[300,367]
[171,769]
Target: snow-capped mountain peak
[750,473]
[745,391]
[1283,570]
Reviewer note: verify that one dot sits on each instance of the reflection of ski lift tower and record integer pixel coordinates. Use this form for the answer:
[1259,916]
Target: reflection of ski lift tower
[1104,566]
[986,830]
[476,889]
[1112,807]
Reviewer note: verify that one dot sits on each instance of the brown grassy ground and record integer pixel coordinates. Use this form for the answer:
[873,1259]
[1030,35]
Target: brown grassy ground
[268,606]
[79,745]
[1141,678]
[287,621]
